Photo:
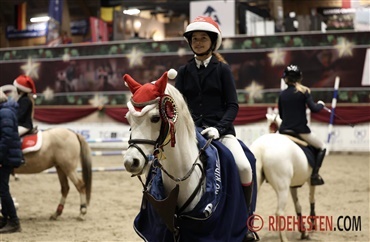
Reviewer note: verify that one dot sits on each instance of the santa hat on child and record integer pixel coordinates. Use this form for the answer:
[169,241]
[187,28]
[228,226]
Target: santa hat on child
[25,84]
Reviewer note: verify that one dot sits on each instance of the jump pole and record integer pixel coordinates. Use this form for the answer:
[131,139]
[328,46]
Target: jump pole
[332,113]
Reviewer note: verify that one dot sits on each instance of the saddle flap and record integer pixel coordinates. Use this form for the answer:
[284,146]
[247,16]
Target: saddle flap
[31,142]
[296,140]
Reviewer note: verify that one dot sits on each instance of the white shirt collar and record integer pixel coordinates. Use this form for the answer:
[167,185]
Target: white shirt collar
[205,62]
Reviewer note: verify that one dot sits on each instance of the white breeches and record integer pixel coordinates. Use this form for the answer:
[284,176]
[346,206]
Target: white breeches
[313,140]
[241,160]
[22,130]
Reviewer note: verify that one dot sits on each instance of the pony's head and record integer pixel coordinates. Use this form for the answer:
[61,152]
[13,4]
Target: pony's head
[154,119]
[273,120]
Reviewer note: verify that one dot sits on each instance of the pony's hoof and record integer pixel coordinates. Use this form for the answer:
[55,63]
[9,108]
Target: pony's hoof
[305,236]
[54,216]
[81,217]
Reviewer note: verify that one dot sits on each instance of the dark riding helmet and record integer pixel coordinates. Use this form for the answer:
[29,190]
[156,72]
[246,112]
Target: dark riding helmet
[292,73]
[208,25]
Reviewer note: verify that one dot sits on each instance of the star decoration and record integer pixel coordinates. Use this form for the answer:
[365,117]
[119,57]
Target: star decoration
[344,47]
[66,57]
[48,94]
[277,57]
[181,51]
[135,57]
[31,68]
[98,101]
[254,90]
[227,44]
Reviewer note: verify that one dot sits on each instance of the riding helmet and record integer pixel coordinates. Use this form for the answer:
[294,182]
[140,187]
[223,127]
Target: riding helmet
[293,74]
[208,25]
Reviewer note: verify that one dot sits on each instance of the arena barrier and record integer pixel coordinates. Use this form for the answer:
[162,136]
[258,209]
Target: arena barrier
[96,144]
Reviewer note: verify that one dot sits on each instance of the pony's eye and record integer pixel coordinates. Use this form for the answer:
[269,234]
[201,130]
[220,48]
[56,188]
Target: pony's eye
[155,119]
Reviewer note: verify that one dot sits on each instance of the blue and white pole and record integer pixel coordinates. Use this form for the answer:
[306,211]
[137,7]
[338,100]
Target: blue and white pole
[332,112]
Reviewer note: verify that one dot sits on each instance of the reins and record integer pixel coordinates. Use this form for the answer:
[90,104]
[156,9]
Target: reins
[187,175]
[166,208]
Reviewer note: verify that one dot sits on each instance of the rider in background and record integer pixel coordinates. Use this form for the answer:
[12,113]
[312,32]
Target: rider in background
[10,157]
[25,86]
[292,110]
[208,86]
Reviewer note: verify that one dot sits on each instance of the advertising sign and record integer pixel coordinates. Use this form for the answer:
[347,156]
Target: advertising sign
[222,12]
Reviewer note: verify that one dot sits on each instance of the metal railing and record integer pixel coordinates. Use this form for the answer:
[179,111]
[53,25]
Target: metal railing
[265,96]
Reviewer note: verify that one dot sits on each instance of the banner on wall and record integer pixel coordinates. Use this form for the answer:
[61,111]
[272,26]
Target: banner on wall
[222,12]
[338,18]
[31,31]
[366,73]
[53,29]
[20,16]
[99,30]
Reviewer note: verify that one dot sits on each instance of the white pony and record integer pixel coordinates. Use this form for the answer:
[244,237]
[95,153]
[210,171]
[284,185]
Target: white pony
[191,192]
[284,165]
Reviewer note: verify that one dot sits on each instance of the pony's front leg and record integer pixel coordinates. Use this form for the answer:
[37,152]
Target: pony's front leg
[59,210]
[63,180]
[298,210]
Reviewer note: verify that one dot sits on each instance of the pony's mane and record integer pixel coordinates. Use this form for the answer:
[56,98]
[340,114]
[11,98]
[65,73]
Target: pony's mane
[184,120]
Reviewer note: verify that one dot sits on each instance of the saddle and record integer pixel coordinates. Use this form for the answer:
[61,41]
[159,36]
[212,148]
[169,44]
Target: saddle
[309,150]
[31,141]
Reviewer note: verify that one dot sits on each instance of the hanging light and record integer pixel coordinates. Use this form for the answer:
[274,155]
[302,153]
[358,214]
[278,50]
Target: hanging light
[133,11]
[40,19]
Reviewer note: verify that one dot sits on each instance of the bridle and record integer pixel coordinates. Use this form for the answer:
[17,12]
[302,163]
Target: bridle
[158,148]
[159,144]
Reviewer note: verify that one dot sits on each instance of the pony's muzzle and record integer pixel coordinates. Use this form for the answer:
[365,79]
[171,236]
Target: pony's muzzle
[132,165]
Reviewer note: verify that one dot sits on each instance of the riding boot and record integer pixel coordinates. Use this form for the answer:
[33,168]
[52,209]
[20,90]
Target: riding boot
[11,226]
[316,179]
[3,222]
[247,191]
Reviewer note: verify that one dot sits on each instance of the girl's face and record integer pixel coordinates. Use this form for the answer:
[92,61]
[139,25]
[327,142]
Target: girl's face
[200,42]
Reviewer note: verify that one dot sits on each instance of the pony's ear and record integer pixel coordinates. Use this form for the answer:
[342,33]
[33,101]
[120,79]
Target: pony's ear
[131,83]
[161,83]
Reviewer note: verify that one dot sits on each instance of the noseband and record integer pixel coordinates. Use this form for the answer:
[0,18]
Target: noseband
[134,142]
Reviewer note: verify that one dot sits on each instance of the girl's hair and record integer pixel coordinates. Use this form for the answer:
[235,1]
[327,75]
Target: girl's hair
[220,57]
[299,87]
[30,96]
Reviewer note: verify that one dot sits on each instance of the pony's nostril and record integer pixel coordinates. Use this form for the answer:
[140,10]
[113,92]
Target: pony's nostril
[135,163]
[131,164]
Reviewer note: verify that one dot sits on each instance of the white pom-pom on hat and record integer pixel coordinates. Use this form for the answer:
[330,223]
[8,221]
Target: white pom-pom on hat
[171,74]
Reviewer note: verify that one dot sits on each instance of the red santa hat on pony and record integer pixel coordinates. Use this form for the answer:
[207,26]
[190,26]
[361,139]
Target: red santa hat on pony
[148,96]
[145,97]
[203,23]
[25,84]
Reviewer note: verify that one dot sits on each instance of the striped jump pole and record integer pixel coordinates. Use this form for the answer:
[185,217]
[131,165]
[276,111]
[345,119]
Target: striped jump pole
[107,153]
[106,140]
[332,112]
[94,169]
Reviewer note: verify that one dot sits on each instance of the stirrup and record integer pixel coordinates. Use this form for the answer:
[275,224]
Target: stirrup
[317,180]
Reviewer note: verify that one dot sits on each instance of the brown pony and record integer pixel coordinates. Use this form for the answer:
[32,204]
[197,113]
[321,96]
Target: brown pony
[65,150]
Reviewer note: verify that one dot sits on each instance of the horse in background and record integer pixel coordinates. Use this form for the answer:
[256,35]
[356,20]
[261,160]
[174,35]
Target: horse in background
[192,190]
[65,150]
[282,162]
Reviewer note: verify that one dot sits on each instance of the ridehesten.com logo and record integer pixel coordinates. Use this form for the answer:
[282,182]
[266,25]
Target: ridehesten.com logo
[305,223]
